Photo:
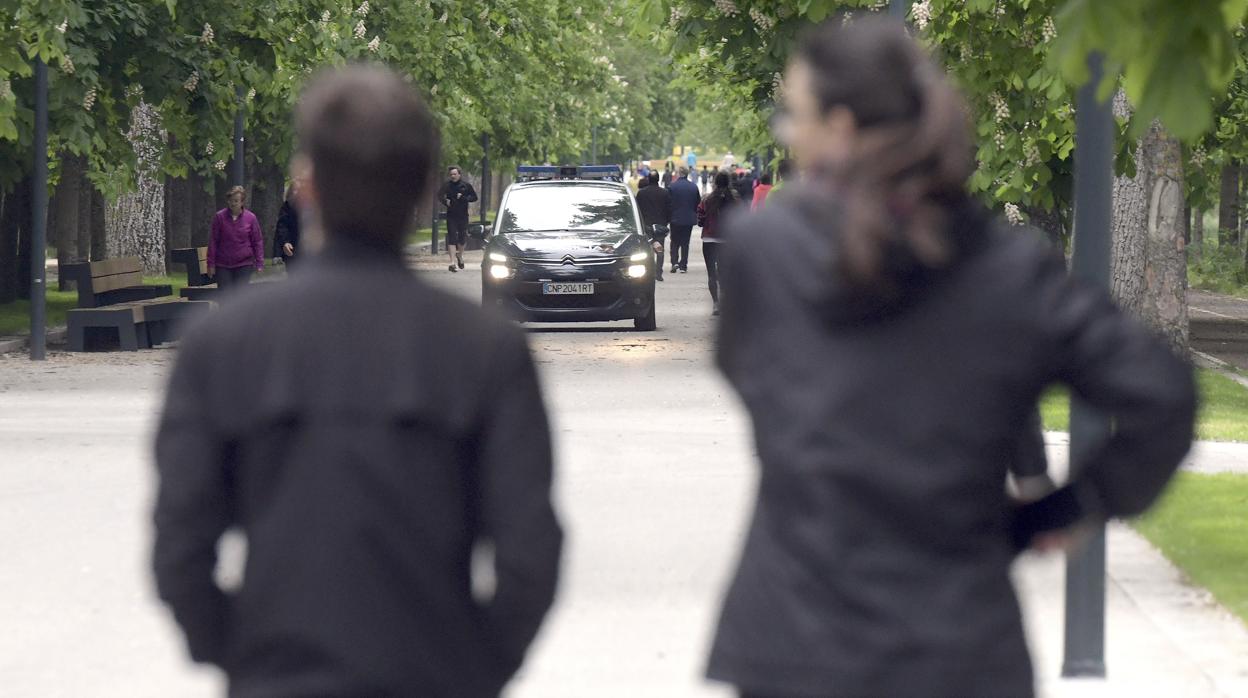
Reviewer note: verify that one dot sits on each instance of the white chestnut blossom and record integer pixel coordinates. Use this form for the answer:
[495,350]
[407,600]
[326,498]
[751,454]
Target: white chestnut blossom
[63,26]
[443,18]
[374,45]
[219,165]
[362,10]
[1013,214]
[1050,29]
[209,149]
[921,12]
[88,101]
[727,7]
[251,94]
[6,89]
[192,82]
[360,31]
[761,20]
[207,35]
[67,65]
[1000,109]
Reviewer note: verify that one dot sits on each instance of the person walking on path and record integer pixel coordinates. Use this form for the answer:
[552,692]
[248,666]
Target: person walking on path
[235,244]
[878,559]
[655,205]
[363,482]
[286,235]
[667,175]
[711,213]
[761,192]
[685,200]
[705,180]
[455,196]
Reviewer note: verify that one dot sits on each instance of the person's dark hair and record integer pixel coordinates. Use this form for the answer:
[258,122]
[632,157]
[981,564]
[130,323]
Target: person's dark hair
[765,178]
[454,168]
[654,177]
[372,144]
[913,155]
[720,194]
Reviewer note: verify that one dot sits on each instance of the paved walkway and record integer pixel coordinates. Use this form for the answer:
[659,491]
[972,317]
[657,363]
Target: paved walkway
[654,485]
[1219,326]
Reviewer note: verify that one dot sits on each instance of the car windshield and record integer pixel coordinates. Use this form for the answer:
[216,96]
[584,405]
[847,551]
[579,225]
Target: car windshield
[577,208]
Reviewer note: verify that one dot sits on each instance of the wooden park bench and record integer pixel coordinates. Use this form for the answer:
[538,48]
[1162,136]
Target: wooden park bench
[199,286]
[111,281]
[113,301]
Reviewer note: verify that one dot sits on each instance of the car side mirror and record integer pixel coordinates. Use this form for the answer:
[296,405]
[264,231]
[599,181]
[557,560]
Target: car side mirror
[477,230]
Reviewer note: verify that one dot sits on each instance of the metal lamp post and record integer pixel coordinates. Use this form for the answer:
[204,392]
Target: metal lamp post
[240,119]
[39,219]
[1085,568]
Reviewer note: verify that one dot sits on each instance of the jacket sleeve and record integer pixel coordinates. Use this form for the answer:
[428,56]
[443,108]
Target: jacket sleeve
[702,213]
[472,193]
[257,242]
[1123,371]
[214,235]
[515,473]
[193,507]
[443,196]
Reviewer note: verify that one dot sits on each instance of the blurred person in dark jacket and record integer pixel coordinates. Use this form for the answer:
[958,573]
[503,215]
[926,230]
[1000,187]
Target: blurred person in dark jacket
[654,203]
[286,234]
[712,212]
[877,562]
[305,416]
[685,200]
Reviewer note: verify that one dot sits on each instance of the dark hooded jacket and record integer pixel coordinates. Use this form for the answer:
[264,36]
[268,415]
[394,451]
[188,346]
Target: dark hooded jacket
[306,415]
[877,561]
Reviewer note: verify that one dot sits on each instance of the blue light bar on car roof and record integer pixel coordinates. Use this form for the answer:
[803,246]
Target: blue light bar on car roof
[529,173]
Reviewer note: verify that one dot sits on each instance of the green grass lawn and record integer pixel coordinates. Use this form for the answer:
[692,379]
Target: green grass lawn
[15,317]
[1223,408]
[1201,525]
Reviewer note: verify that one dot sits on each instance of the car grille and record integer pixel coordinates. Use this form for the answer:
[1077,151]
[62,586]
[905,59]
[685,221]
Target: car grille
[537,301]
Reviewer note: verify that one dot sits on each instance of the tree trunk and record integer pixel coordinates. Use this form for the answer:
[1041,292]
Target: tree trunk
[23,199]
[1149,268]
[135,223]
[64,205]
[1198,234]
[99,228]
[9,235]
[85,190]
[1228,205]
[203,208]
[177,213]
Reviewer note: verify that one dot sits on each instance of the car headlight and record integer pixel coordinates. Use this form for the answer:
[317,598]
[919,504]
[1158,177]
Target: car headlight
[638,257]
[497,257]
[637,271]
[499,271]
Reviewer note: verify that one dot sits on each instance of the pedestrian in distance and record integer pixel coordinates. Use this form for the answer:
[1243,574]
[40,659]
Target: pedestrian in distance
[455,196]
[286,234]
[655,205]
[878,559]
[743,182]
[667,175]
[235,243]
[712,212]
[705,179]
[305,415]
[761,191]
[685,200]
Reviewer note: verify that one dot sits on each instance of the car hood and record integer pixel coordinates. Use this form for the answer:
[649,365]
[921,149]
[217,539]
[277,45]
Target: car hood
[579,244]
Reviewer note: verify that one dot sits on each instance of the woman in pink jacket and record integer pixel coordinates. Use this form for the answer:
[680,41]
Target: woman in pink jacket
[236,245]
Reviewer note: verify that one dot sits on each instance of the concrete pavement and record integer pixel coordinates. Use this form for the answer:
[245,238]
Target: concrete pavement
[654,485]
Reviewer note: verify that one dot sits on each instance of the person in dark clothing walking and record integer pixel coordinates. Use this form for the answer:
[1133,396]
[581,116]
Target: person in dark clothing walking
[685,200]
[743,183]
[235,244]
[455,196]
[286,235]
[305,416]
[667,175]
[655,205]
[705,179]
[878,559]
[711,212]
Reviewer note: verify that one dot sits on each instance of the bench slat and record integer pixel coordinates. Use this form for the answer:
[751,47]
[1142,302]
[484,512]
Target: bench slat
[112,282]
[120,265]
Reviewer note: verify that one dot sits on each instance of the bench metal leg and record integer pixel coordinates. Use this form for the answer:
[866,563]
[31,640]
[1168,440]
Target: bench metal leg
[128,336]
[77,337]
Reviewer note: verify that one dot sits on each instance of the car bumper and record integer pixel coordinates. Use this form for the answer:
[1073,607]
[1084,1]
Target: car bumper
[611,300]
